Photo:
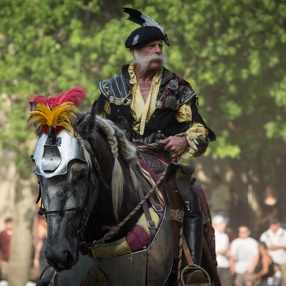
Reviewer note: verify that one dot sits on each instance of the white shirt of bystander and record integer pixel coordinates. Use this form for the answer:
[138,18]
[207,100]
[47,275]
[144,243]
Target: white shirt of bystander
[244,251]
[276,239]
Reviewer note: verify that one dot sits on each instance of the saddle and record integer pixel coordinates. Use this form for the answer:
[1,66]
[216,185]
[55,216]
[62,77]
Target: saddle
[176,188]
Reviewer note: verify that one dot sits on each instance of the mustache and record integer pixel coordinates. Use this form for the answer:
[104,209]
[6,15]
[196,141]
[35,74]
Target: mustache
[155,58]
[144,61]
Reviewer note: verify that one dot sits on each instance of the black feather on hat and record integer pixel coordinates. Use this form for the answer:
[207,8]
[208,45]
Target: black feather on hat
[149,31]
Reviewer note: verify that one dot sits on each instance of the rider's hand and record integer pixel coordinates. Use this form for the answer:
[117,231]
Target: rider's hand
[176,146]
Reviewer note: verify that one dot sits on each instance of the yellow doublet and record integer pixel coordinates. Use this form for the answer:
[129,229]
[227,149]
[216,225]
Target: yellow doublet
[143,110]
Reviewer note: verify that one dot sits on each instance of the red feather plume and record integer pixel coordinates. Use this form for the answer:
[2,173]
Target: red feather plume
[55,111]
[75,95]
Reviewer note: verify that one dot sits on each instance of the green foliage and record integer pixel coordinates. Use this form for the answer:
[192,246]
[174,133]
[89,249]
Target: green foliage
[232,52]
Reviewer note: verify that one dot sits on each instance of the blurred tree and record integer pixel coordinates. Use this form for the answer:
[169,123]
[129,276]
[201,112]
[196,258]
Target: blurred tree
[232,52]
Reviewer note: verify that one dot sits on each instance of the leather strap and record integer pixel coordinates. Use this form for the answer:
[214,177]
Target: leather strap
[176,215]
[152,226]
[187,253]
[176,205]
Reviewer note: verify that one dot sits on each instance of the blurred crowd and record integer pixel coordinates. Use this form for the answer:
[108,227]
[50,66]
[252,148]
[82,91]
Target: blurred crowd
[246,261]
[39,265]
[248,254]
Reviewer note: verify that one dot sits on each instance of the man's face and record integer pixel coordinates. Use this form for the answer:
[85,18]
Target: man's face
[220,227]
[152,48]
[150,56]
[274,226]
[243,232]
[9,226]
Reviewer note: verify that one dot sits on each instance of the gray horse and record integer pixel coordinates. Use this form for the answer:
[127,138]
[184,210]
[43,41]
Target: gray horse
[108,221]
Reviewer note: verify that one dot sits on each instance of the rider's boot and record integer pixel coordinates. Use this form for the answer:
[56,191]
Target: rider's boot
[193,227]
[193,218]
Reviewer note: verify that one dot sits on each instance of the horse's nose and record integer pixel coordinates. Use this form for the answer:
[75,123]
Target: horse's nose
[60,261]
[69,259]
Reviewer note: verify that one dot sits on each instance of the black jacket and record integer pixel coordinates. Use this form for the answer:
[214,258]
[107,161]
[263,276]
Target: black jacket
[173,93]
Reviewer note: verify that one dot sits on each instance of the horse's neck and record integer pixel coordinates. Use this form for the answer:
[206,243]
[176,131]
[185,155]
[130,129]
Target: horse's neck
[103,217]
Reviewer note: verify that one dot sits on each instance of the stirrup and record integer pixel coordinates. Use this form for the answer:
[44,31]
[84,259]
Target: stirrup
[195,276]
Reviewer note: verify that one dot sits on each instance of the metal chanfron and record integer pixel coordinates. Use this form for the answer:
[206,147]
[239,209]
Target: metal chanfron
[52,159]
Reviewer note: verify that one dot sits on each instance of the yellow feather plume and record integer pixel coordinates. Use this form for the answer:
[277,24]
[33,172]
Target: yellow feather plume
[60,116]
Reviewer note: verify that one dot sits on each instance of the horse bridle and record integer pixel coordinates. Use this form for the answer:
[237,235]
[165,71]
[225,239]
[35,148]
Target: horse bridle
[86,211]
[89,199]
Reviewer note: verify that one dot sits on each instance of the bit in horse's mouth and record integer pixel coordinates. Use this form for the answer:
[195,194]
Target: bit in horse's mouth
[60,267]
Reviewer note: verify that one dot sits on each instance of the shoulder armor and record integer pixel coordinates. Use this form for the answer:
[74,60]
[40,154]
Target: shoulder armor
[115,89]
[187,95]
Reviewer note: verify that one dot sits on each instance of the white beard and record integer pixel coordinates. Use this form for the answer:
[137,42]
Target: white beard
[144,61]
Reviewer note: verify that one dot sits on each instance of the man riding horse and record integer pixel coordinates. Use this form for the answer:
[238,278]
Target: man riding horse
[153,104]
[94,188]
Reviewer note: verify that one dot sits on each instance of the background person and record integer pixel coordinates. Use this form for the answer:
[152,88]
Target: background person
[40,262]
[277,277]
[263,269]
[222,249]
[5,241]
[275,239]
[269,208]
[243,256]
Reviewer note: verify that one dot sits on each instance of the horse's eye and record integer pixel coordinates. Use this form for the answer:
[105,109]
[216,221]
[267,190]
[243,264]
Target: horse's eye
[80,176]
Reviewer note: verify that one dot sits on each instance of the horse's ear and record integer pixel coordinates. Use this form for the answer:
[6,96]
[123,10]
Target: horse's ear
[86,121]
[91,118]
[93,109]
[32,105]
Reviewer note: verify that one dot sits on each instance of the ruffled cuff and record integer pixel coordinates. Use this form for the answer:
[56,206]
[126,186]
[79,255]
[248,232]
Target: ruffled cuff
[196,132]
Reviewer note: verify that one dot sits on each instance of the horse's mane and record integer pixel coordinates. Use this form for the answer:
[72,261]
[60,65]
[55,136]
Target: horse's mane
[122,151]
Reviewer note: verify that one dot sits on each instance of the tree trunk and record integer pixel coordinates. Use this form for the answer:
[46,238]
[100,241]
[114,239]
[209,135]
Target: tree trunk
[22,239]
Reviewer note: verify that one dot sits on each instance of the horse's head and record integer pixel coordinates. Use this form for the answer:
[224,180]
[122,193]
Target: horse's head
[77,166]
[63,175]
[62,168]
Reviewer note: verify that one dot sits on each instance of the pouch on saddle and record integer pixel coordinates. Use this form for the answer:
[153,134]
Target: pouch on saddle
[177,183]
